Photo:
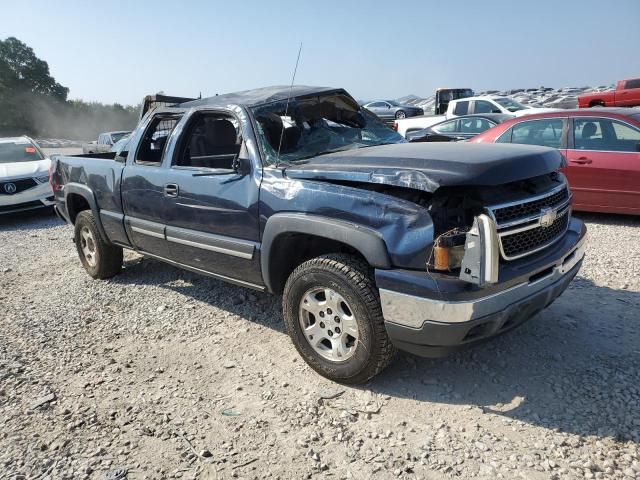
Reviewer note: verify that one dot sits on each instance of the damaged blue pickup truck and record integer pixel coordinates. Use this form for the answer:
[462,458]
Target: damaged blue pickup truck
[375,244]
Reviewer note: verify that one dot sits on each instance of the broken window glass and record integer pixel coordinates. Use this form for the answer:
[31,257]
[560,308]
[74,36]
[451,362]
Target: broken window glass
[312,126]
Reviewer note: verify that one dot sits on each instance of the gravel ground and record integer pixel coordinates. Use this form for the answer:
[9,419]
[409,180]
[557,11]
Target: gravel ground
[160,373]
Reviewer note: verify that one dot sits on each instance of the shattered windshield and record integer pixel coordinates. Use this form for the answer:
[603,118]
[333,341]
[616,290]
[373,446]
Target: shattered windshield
[317,125]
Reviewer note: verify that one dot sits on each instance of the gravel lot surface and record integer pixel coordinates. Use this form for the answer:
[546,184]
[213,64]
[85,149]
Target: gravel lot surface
[160,373]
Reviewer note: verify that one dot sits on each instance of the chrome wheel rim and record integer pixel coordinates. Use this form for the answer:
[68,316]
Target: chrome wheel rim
[400,115]
[88,246]
[328,324]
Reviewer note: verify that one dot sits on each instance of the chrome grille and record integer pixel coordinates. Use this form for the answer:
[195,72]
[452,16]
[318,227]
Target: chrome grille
[523,210]
[530,225]
[520,243]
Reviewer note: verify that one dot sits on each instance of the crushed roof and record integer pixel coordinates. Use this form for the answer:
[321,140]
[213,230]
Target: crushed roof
[259,96]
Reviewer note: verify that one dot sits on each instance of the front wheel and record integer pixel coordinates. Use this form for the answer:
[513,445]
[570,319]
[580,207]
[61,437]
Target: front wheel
[332,313]
[400,114]
[100,259]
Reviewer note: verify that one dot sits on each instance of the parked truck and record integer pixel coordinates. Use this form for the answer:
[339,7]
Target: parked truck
[375,244]
[626,94]
[104,143]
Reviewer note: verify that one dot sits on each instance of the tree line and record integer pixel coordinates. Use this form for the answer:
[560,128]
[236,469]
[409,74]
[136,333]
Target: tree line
[33,103]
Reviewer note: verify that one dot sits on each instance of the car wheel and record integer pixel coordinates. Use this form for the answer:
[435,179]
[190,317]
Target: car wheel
[100,259]
[333,315]
[597,104]
[401,114]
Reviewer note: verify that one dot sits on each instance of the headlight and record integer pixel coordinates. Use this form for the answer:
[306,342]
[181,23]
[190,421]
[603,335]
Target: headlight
[43,179]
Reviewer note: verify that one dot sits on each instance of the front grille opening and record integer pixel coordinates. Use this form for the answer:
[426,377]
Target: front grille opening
[16,186]
[521,243]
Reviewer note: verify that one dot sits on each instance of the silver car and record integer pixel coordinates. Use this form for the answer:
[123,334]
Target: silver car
[390,109]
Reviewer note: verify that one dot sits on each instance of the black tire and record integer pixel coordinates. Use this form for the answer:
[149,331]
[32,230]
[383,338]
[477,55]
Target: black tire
[353,280]
[401,114]
[596,104]
[106,259]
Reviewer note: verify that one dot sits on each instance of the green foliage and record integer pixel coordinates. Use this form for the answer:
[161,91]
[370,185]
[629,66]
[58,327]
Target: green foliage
[33,103]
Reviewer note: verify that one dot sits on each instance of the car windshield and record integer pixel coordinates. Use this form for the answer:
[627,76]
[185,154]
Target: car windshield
[312,126]
[19,151]
[117,136]
[509,104]
[393,103]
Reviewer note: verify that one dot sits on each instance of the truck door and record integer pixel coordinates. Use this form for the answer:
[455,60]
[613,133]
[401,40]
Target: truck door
[144,186]
[211,199]
[629,96]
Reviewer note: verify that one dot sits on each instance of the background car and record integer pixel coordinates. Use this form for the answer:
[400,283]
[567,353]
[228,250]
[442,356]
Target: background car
[602,148]
[24,176]
[390,109]
[491,104]
[458,129]
[105,142]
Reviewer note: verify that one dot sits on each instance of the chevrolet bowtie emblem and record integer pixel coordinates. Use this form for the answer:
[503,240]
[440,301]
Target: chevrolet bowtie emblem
[548,216]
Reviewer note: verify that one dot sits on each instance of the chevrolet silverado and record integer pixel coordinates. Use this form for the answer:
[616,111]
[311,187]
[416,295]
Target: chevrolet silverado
[375,244]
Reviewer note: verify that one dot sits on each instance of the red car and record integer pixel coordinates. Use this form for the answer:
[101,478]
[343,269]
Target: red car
[602,148]
[626,94]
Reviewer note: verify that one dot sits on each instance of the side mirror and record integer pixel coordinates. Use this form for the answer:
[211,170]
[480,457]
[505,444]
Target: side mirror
[121,157]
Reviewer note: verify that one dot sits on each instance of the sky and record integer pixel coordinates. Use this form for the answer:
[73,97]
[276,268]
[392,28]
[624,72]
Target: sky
[120,51]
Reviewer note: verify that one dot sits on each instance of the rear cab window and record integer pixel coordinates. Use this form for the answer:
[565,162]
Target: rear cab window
[634,83]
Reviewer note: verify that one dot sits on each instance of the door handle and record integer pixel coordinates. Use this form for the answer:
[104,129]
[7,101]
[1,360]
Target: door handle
[171,190]
[582,161]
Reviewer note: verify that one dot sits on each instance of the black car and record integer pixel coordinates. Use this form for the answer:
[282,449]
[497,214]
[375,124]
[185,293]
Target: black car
[459,128]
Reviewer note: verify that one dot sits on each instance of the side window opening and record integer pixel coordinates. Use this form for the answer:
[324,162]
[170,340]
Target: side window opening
[546,132]
[462,108]
[211,141]
[605,135]
[151,148]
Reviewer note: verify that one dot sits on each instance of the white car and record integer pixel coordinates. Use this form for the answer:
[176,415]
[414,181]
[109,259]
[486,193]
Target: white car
[468,106]
[24,176]
[491,104]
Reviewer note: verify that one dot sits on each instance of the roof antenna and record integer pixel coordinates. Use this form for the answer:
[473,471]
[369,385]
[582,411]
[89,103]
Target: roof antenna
[286,110]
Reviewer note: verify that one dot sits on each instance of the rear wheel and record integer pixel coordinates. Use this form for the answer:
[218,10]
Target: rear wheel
[100,259]
[333,316]
[400,114]
[598,103]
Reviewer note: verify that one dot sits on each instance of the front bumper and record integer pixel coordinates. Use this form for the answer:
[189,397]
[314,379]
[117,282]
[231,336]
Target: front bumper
[38,196]
[449,317]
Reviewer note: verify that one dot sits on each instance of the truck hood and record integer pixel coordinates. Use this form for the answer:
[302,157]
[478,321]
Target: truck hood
[15,170]
[429,166]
